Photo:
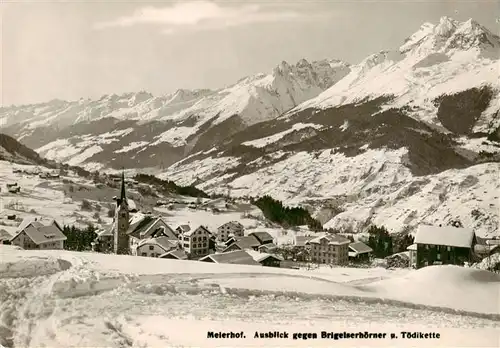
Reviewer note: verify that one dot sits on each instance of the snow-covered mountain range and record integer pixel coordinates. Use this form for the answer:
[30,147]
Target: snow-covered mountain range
[408,135]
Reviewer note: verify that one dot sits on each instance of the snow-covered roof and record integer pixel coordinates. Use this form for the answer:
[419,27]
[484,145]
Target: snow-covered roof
[412,247]
[246,242]
[259,257]
[234,257]
[177,254]
[40,234]
[447,236]
[163,242]
[360,248]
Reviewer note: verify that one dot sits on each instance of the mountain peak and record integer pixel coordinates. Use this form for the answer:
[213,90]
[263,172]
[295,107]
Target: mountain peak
[446,26]
[450,35]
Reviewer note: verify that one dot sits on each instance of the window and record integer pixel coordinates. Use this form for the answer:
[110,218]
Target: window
[448,248]
[204,245]
[438,257]
[144,254]
[151,247]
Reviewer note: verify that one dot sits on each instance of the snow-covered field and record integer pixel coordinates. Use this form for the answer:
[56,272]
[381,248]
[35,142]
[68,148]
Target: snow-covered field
[64,299]
[37,197]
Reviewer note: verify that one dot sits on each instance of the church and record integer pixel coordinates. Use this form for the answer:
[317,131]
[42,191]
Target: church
[130,228]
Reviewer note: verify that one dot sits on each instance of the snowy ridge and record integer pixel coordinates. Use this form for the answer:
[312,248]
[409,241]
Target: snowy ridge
[438,59]
[254,99]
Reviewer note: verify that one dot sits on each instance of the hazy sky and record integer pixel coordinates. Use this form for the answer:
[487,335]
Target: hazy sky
[69,50]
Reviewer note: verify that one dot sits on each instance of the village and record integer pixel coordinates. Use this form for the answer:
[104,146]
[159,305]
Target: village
[148,234]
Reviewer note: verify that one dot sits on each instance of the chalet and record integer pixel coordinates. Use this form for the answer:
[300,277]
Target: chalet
[244,243]
[196,242]
[265,259]
[262,237]
[155,247]
[32,234]
[231,228]
[175,255]
[359,251]
[238,257]
[329,249]
[444,245]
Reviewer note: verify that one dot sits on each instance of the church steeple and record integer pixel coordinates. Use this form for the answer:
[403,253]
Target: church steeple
[123,196]
[121,223]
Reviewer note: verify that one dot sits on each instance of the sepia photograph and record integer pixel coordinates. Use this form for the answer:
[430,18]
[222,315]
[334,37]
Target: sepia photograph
[249,173]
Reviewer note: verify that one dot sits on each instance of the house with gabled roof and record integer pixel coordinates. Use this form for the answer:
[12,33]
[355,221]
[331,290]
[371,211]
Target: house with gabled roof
[249,242]
[444,245]
[262,237]
[33,234]
[329,249]
[266,259]
[359,251]
[155,247]
[238,257]
[150,226]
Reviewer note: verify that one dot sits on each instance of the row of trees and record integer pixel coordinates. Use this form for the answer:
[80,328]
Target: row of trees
[168,186]
[79,239]
[385,244]
[274,211]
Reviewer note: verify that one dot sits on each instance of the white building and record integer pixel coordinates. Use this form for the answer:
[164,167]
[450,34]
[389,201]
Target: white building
[196,242]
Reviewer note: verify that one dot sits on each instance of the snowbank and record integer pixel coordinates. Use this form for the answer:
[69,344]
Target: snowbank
[462,289]
[108,300]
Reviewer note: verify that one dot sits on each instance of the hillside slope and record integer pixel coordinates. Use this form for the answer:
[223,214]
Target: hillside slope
[13,151]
